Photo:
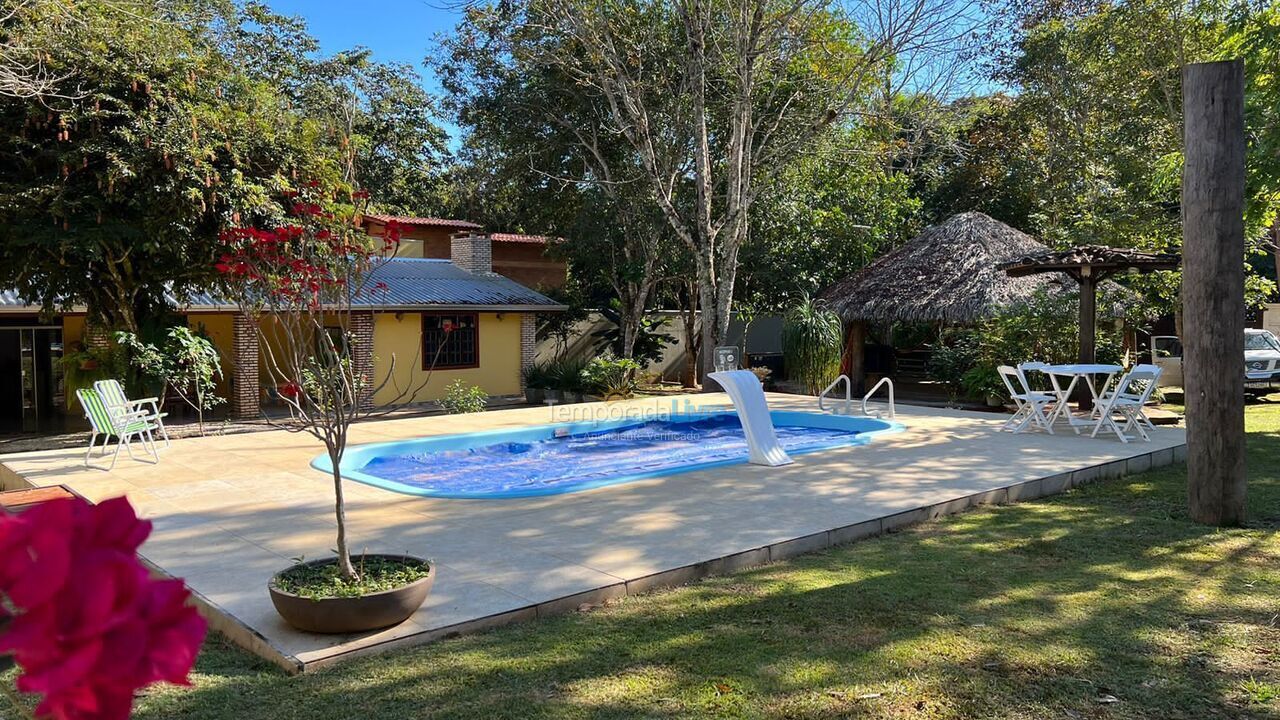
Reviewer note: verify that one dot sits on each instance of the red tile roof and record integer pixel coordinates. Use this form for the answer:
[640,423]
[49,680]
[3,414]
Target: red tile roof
[424,221]
[517,237]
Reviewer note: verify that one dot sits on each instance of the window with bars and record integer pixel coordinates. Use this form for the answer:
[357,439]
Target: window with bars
[456,336]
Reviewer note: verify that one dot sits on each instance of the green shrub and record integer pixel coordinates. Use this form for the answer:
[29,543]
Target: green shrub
[460,397]
[955,353]
[610,376]
[983,381]
[812,338]
[538,376]
[566,374]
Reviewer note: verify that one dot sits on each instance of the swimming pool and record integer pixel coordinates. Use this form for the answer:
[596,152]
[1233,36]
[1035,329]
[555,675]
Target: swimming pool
[569,457]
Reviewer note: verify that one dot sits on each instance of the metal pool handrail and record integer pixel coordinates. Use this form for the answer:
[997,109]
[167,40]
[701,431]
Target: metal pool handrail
[893,413]
[848,393]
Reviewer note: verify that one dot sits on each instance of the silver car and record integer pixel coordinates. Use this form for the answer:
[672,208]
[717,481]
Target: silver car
[1261,361]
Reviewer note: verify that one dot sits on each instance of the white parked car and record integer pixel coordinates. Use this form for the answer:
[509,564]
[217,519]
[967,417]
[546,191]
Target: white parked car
[1261,361]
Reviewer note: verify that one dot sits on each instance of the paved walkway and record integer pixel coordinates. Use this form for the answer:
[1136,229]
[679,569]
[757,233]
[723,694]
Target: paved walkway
[231,511]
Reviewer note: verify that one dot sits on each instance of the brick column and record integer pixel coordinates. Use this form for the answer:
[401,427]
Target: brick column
[245,390]
[96,337]
[528,342]
[361,339]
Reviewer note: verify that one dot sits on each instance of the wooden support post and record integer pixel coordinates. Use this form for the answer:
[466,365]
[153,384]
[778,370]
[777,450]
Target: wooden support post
[1213,309]
[855,366]
[1088,332]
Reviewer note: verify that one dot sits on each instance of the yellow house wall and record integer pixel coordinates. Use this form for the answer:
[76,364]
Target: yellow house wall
[72,330]
[219,328]
[400,338]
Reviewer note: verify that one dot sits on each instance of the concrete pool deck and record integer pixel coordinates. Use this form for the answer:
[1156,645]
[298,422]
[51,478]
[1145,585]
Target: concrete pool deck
[229,511]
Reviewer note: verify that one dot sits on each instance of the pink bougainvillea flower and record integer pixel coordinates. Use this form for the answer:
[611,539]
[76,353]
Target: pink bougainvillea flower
[99,627]
[35,553]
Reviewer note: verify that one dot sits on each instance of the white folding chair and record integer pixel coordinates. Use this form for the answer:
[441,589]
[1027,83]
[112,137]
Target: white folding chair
[1144,369]
[1029,404]
[1125,404]
[123,427]
[112,393]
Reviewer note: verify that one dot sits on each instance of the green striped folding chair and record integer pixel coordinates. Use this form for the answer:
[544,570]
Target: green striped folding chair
[123,427]
[118,403]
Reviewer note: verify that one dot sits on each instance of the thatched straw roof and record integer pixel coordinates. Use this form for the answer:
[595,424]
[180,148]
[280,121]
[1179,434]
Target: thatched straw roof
[948,273]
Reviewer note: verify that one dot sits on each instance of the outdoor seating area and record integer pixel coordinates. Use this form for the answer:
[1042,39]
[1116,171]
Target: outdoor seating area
[1109,399]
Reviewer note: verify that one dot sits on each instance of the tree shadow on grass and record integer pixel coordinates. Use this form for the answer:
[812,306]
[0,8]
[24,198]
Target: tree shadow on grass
[1104,602]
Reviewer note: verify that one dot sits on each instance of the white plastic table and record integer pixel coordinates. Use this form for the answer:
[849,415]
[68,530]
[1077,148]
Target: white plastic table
[1088,371]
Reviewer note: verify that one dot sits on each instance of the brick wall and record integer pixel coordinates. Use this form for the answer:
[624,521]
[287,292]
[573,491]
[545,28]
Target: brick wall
[528,342]
[96,336]
[473,253]
[361,339]
[246,393]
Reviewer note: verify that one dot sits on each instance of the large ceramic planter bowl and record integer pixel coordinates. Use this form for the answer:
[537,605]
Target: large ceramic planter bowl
[354,614]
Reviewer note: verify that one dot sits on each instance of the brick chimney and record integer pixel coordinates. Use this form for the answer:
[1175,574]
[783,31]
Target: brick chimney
[471,252]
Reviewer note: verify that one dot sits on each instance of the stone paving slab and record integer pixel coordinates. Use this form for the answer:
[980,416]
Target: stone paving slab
[231,511]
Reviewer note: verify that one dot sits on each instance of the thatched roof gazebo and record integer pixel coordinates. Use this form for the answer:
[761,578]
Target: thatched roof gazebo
[947,274]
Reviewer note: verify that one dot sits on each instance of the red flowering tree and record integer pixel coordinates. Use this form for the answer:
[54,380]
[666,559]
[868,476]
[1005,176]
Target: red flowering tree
[301,283]
[90,626]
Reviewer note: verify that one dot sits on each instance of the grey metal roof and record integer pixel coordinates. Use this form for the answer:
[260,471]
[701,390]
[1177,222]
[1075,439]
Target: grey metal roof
[430,283]
[412,283]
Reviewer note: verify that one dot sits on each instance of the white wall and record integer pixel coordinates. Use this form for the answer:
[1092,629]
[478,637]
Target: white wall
[1271,318]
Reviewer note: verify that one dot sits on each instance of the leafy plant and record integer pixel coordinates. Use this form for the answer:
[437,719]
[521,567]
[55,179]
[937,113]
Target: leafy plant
[538,376]
[953,355]
[983,381]
[649,342]
[376,574]
[811,344]
[566,374]
[82,367]
[612,377]
[187,363]
[459,398]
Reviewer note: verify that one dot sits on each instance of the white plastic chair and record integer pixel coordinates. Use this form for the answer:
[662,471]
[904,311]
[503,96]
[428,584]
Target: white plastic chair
[124,427]
[1126,402]
[1029,404]
[117,403]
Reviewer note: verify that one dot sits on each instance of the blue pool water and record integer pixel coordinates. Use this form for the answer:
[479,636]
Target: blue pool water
[550,459]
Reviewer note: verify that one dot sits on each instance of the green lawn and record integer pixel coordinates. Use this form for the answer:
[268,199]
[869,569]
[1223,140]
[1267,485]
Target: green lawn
[1104,602]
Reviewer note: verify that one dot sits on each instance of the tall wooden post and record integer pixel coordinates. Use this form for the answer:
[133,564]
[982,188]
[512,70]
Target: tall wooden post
[855,366]
[1088,331]
[1213,289]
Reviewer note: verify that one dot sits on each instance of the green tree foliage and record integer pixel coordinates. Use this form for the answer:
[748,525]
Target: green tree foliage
[536,159]
[170,122]
[1089,149]
[186,362]
[827,215]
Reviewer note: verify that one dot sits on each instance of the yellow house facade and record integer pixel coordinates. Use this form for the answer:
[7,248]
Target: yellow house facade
[399,336]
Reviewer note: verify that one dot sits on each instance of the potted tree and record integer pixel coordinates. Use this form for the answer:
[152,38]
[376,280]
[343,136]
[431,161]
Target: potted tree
[305,282]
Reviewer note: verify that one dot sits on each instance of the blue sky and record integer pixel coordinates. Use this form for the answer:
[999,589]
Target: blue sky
[395,30]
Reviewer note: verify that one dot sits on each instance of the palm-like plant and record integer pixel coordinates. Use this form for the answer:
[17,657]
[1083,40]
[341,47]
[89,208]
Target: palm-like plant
[811,343]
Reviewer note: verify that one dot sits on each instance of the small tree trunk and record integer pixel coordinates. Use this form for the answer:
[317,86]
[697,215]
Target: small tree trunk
[340,515]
